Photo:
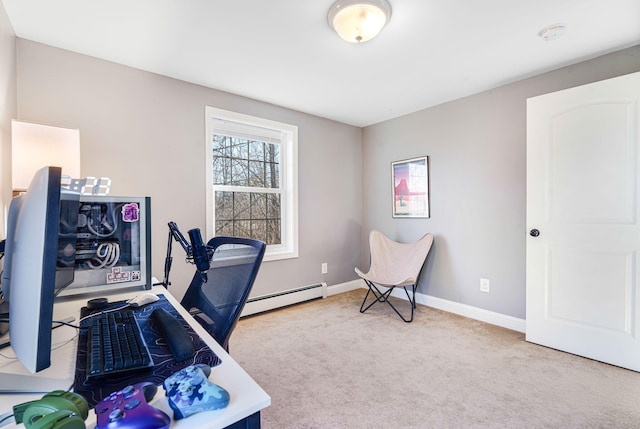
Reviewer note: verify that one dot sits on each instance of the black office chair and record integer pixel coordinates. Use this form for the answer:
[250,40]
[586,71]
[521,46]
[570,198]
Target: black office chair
[217,304]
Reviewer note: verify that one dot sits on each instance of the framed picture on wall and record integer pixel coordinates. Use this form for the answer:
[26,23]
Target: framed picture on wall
[410,184]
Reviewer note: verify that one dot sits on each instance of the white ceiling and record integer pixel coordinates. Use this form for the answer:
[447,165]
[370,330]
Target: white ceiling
[283,51]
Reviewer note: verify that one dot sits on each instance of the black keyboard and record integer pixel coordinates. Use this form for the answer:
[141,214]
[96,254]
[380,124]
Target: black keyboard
[115,344]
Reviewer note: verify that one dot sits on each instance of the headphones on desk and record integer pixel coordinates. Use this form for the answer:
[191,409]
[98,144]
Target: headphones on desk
[56,410]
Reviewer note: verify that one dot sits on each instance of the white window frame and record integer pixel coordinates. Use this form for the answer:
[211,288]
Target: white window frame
[288,175]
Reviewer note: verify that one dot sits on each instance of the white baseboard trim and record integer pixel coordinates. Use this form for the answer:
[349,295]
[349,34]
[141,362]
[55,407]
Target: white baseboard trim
[299,295]
[465,310]
[344,287]
[471,312]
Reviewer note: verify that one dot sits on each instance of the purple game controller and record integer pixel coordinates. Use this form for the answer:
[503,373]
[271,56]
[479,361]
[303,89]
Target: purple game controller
[128,409]
[190,391]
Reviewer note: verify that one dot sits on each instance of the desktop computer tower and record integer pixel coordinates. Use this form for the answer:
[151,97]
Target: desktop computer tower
[112,245]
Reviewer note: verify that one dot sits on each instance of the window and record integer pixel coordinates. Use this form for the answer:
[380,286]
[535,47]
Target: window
[251,180]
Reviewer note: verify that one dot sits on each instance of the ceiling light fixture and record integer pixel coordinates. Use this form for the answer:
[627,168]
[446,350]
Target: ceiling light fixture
[553,32]
[357,21]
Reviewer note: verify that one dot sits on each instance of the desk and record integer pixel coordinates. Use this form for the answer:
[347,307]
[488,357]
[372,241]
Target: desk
[247,397]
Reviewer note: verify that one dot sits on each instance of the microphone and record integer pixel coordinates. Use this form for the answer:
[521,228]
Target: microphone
[199,252]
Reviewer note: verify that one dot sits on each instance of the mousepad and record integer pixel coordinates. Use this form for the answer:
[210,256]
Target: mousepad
[96,389]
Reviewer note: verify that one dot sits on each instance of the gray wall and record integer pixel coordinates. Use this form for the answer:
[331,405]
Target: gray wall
[477,157]
[8,107]
[146,132]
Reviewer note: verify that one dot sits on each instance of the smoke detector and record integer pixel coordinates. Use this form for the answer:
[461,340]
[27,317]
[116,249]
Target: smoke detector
[552,32]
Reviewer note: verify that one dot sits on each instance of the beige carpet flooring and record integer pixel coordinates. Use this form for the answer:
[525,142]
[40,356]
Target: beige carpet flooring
[325,365]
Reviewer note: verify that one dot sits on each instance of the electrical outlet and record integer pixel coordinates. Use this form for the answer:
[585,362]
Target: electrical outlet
[324,268]
[484,285]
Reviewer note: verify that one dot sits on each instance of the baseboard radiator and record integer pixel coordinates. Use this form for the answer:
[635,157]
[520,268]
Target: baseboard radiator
[260,304]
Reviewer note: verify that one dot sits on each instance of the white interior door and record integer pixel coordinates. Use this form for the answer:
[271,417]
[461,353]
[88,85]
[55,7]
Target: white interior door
[582,214]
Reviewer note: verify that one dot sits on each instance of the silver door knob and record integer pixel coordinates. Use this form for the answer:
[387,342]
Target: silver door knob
[534,233]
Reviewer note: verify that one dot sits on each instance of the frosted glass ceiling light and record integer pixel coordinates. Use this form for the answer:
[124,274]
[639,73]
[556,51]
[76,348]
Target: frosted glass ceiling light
[357,21]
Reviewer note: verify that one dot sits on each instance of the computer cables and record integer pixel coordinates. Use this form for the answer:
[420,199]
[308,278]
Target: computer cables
[99,224]
[107,255]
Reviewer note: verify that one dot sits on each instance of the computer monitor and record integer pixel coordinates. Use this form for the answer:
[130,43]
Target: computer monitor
[39,262]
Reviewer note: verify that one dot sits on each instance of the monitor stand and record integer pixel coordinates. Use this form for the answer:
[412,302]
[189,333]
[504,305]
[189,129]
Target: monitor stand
[15,378]
[4,314]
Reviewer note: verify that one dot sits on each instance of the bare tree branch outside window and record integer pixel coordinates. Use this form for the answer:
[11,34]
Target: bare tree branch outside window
[252,208]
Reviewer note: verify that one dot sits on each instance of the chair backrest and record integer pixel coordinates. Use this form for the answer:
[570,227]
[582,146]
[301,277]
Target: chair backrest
[397,261]
[217,304]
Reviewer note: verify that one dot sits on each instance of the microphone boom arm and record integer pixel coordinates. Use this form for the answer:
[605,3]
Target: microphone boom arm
[175,234]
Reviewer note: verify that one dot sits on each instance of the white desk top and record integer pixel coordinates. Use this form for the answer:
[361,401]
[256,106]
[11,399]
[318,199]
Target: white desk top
[247,397]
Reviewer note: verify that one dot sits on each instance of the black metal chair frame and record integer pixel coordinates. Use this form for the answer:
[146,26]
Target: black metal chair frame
[394,265]
[380,296]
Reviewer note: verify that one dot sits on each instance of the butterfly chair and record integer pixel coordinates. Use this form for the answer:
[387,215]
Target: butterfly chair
[217,303]
[394,265]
